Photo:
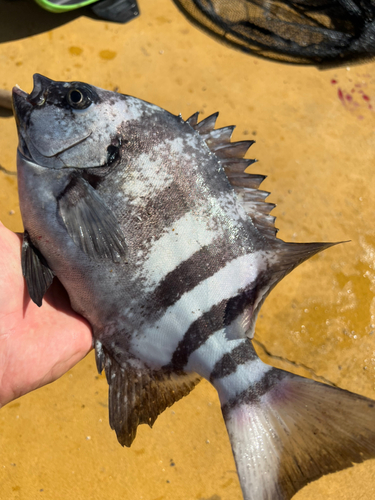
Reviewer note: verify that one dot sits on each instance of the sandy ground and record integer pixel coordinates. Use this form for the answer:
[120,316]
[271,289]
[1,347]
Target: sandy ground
[315,141]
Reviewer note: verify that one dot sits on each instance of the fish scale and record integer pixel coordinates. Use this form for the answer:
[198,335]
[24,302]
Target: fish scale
[167,247]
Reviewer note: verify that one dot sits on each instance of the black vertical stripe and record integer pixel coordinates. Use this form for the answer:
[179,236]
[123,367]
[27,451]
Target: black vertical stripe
[206,325]
[197,334]
[190,273]
[236,305]
[252,394]
[229,362]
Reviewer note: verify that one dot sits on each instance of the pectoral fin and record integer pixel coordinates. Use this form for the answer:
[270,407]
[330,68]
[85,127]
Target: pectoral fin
[90,223]
[35,270]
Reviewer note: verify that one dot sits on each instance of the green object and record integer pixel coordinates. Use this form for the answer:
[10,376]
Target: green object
[59,6]
[118,11]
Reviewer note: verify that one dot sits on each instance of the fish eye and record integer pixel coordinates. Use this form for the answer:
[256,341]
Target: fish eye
[78,98]
[75,96]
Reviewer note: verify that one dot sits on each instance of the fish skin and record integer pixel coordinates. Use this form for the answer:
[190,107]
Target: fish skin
[169,251]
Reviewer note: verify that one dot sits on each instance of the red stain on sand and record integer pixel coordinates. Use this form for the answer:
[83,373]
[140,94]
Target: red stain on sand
[348,97]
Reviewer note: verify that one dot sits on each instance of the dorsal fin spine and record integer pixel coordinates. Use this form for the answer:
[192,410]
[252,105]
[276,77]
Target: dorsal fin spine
[238,164]
[230,155]
[193,119]
[207,125]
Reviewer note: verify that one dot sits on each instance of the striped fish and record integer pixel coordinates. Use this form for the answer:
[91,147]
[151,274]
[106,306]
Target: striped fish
[167,247]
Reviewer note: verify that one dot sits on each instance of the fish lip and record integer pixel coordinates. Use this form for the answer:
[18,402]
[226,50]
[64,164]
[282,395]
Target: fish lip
[19,92]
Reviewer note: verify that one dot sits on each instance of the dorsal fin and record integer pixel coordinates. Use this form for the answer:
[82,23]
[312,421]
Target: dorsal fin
[246,186]
[230,155]
[137,395]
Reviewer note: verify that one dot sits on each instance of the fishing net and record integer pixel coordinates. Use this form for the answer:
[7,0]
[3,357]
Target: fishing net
[317,32]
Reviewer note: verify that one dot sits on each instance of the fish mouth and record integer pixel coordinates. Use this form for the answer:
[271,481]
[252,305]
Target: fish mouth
[22,100]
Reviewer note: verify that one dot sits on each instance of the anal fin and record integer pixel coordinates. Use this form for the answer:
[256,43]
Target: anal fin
[35,270]
[137,395]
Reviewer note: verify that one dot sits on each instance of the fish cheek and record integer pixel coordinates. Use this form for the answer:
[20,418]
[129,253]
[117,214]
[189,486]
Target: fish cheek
[53,129]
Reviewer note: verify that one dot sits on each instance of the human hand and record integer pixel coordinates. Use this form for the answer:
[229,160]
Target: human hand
[37,344]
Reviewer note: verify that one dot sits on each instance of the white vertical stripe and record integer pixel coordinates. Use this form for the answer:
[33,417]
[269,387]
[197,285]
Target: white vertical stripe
[245,376]
[179,242]
[157,343]
[204,359]
[147,178]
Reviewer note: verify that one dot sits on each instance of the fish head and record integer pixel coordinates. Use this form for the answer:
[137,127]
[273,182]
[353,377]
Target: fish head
[69,124]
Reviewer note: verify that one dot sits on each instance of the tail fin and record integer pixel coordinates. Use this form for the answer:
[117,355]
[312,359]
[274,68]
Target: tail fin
[287,431]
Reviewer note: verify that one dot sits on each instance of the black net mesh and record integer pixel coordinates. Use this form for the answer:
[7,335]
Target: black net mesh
[307,31]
